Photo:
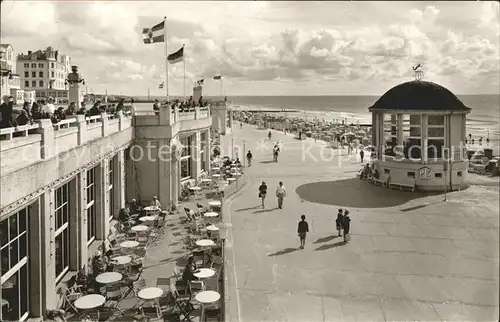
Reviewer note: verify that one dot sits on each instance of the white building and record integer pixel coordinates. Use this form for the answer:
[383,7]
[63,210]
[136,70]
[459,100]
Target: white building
[9,79]
[45,71]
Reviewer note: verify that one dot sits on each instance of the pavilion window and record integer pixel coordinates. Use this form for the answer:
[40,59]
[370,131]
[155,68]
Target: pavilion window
[186,158]
[390,134]
[62,246]
[411,136]
[435,136]
[90,207]
[14,254]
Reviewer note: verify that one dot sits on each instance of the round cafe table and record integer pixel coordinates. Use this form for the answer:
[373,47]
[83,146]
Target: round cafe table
[90,301]
[214,203]
[151,208]
[150,293]
[215,169]
[216,176]
[147,218]
[139,228]
[210,214]
[194,188]
[122,260]
[129,244]
[205,273]
[212,228]
[108,277]
[207,297]
[206,180]
[205,242]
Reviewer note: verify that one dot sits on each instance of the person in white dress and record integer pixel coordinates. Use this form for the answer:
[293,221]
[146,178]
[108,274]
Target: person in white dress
[156,202]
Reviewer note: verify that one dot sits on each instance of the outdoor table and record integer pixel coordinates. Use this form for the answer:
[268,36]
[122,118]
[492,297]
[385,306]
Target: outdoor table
[147,218]
[205,242]
[108,277]
[214,203]
[215,169]
[150,293]
[122,260]
[205,273]
[206,297]
[90,301]
[194,188]
[212,228]
[139,228]
[210,214]
[231,180]
[216,175]
[151,208]
[129,244]
[206,180]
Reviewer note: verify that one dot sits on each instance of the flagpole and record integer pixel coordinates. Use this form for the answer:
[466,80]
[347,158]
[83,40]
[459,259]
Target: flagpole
[166,55]
[221,86]
[184,62]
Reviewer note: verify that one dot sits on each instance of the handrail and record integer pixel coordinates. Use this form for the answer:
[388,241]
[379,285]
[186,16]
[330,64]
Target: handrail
[64,124]
[24,129]
[93,119]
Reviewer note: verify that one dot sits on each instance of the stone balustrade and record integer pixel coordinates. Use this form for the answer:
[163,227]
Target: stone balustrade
[28,144]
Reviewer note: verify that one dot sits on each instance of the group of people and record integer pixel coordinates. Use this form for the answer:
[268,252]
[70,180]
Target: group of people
[342,224]
[45,109]
[280,193]
[181,105]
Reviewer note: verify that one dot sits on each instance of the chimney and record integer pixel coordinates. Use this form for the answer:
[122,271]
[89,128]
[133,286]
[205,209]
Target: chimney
[29,52]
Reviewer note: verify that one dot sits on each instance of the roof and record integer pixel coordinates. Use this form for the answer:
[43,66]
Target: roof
[5,45]
[419,95]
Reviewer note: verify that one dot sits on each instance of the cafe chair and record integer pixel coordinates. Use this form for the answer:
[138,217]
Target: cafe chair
[151,313]
[212,315]
[163,283]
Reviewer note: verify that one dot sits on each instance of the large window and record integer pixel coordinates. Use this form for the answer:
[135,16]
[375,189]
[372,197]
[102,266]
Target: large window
[186,158]
[61,235]
[90,208]
[203,144]
[390,134]
[435,136]
[111,180]
[15,277]
[411,136]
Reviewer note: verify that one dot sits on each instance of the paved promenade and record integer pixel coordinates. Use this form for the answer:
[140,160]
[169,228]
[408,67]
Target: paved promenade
[412,256]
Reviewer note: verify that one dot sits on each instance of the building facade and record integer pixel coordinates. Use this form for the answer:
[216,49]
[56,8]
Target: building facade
[10,80]
[419,131]
[45,71]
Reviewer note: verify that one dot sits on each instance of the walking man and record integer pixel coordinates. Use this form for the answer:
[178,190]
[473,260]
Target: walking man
[249,158]
[361,155]
[339,221]
[263,193]
[346,225]
[302,230]
[280,194]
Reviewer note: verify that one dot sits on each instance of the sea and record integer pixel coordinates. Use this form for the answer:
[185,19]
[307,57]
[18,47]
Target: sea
[483,121]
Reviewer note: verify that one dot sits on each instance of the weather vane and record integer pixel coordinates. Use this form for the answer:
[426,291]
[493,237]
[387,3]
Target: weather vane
[418,72]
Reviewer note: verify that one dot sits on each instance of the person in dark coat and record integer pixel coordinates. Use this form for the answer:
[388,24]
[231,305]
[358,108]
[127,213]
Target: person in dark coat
[302,230]
[346,225]
[361,155]
[263,192]
[7,112]
[249,158]
[339,221]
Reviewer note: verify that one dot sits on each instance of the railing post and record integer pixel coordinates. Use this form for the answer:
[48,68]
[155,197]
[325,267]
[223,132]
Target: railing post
[104,124]
[196,112]
[176,113]
[81,123]
[121,120]
[166,114]
[48,144]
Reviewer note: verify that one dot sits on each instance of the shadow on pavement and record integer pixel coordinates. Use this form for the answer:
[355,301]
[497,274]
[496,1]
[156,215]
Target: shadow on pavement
[249,208]
[356,193]
[283,252]
[268,161]
[326,239]
[265,210]
[326,247]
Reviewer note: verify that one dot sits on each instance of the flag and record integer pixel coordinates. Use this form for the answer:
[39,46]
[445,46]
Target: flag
[218,77]
[200,82]
[176,57]
[161,85]
[155,34]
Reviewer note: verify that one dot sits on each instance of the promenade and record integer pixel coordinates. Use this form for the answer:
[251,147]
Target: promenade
[412,256]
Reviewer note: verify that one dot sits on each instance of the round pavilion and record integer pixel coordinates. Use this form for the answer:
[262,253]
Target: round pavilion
[418,136]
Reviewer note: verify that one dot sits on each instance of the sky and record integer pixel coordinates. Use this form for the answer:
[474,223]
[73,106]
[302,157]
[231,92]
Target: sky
[266,48]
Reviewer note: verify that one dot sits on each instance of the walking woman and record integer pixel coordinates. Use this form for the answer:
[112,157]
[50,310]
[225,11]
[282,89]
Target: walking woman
[263,192]
[339,221]
[346,225]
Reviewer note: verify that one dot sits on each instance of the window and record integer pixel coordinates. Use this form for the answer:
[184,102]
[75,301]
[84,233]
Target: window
[52,74]
[33,83]
[40,74]
[390,134]
[33,74]
[26,65]
[459,173]
[90,208]
[61,214]
[40,65]
[410,174]
[203,144]
[40,83]
[186,158]
[411,136]
[51,65]
[111,178]
[438,175]
[26,83]
[26,74]
[387,171]
[33,65]
[14,253]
